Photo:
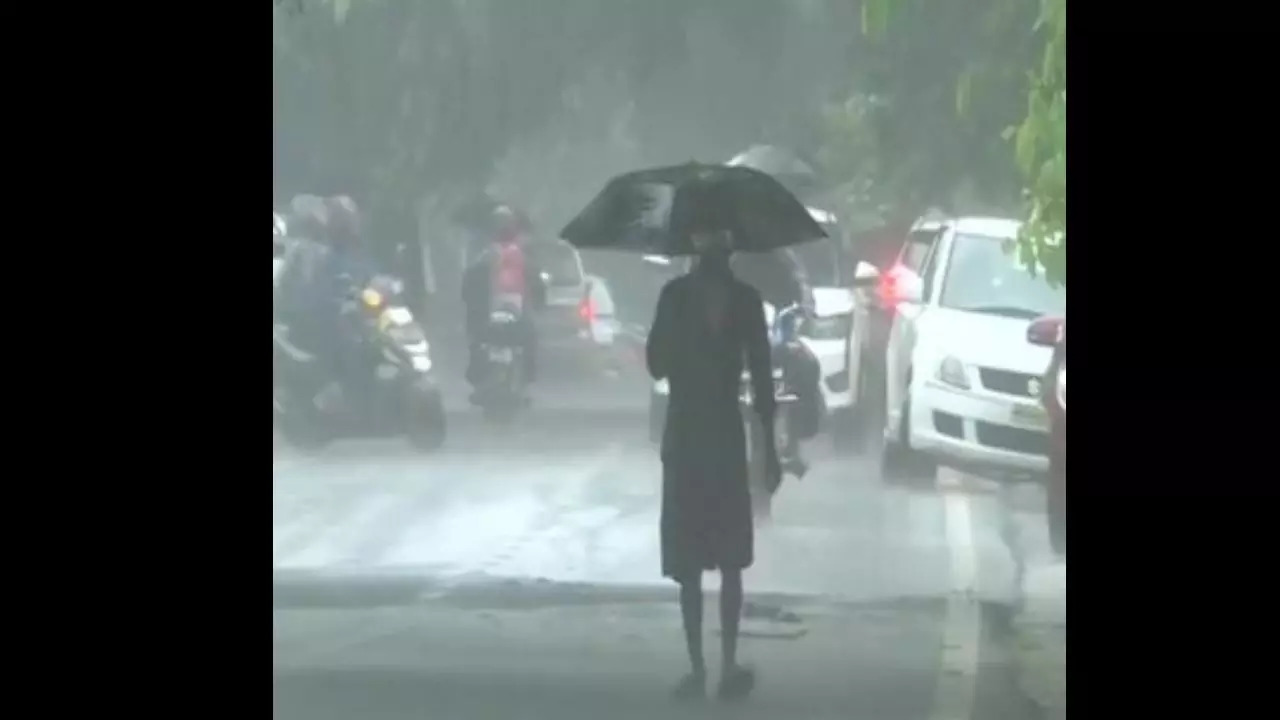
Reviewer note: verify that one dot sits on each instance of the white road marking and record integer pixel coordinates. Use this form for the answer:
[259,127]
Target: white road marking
[493,535]
[331,547]
[962,623]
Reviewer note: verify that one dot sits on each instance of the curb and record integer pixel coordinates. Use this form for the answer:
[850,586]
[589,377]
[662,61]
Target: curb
[1040,642]
[1036,635]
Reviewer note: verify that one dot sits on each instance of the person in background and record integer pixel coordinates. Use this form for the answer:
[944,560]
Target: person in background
[705,323]
[781,281]
[778,276]
[321,275]
[501,275]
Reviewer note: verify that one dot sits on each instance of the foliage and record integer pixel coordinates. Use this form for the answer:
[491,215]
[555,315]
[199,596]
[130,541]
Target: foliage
[1006,42]
[406,103]
[1041,151]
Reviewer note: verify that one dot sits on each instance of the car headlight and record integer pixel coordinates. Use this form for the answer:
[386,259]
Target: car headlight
[1062,387]
[951,372]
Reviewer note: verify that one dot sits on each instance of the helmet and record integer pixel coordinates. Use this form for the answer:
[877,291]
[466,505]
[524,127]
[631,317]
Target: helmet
[507,224]
[310,217]
[344,219]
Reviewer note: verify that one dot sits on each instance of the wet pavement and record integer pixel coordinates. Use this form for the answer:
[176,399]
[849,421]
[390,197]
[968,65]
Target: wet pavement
[515,574]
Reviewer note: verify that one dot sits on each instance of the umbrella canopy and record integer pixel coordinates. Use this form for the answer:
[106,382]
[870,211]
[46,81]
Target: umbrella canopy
[654,211]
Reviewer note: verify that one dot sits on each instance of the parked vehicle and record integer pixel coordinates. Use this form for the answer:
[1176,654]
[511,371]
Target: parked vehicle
[835,338]
[875,299]
[831,332]
[402,399]
[962,383]
[1051,332]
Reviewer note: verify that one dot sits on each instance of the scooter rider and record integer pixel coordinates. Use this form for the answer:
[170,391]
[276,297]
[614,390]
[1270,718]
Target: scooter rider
[321,278]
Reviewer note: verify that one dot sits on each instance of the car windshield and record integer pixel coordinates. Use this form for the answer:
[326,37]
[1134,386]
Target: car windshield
[917,248]
[982,276]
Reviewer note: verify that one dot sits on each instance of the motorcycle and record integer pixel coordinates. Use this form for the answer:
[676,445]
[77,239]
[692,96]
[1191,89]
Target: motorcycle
[502,392]
[403,397]
[783,338]
[755,432]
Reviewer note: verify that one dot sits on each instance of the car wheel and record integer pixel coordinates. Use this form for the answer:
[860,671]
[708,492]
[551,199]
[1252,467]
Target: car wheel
[899,462]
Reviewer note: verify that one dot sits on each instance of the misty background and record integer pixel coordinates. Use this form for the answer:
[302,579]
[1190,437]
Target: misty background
[415,107]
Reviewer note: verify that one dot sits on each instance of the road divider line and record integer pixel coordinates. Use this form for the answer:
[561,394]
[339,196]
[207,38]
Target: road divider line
[962,620]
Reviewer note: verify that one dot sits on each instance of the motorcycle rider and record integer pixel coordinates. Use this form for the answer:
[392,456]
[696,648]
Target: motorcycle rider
[501,276]
[781,281]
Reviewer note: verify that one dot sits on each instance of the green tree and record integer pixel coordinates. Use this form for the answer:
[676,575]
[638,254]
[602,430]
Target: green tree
[396,100]
[1003,38]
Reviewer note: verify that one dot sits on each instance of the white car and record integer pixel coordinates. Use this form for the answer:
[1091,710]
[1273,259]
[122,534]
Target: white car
[579,323]
[836,334]
[962,383]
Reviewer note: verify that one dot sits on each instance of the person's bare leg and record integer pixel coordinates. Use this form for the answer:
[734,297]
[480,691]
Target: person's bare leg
[735,681]
[694,684]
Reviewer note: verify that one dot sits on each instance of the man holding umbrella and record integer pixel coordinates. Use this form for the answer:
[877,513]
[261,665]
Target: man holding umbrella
[706,323]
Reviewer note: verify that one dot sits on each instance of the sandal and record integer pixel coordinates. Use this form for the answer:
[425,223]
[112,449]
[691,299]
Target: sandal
[737,684]
[692,687]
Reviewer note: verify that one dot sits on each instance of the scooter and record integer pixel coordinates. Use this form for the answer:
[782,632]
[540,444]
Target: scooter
[402,398]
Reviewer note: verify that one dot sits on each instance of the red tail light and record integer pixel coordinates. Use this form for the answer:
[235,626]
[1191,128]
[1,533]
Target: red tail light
[887,290]
[587,310]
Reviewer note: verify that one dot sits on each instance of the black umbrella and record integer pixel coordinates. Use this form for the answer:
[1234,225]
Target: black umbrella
[653,211]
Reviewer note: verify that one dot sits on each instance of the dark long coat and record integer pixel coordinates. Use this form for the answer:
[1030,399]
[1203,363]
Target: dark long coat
[706,501]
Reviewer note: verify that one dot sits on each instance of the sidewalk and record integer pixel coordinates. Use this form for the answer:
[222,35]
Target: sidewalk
[1040,637]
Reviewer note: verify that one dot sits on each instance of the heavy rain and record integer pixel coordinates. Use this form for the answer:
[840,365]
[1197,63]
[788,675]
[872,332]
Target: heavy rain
[635,358]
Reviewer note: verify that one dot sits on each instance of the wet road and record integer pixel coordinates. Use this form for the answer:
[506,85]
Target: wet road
[517,576]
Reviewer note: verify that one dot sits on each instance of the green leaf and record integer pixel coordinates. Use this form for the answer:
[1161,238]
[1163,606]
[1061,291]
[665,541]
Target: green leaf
[1025,145]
